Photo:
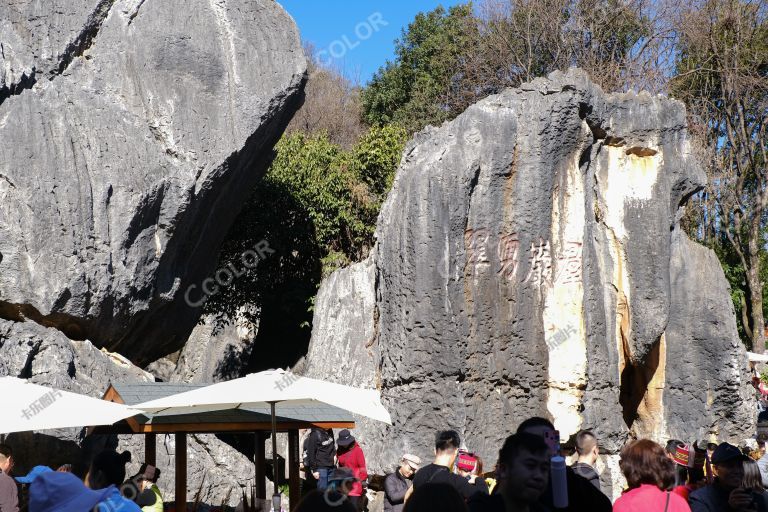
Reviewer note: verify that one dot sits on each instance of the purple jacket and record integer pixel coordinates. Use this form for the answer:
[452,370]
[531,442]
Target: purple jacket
[9,494]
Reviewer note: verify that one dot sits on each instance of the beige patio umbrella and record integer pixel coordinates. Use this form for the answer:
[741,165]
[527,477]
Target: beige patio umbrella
[270,388]
[27,406]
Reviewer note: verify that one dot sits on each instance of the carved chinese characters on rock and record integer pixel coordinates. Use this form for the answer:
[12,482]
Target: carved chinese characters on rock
[509,247]
[538,255]
[476,245]
[569,264]
[539,264]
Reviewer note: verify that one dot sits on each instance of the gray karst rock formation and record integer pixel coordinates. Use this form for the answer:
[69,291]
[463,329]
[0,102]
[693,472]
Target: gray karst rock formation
[132,133]
[529,261]
[529,257]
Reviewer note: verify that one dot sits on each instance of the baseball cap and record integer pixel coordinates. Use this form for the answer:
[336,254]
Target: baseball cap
[466,462]
[726,452]
[34,473]
[62,492]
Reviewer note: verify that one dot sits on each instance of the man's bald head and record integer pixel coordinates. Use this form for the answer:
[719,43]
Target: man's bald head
[6,458]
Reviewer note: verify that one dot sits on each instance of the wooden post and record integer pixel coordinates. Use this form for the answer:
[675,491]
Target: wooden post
[150,449]
[260,465]
[181,472]
[294,481]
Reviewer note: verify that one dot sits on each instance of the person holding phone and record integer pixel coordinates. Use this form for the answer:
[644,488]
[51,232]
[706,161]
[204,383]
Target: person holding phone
[470,466]
[727,492]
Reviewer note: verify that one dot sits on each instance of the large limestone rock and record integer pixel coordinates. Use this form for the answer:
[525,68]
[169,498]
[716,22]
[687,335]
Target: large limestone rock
[132,132]
[344,317]
[529,261]
[47,357]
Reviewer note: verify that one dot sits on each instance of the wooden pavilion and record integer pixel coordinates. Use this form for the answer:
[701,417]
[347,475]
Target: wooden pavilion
[290,418]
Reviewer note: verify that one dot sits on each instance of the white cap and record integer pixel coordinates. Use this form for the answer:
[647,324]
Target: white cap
[412,460]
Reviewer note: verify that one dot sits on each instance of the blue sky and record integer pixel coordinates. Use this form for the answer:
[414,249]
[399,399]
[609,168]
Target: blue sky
[356,36]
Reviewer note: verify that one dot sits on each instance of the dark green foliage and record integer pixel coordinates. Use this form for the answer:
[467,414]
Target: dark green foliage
[410,90]
[316,208]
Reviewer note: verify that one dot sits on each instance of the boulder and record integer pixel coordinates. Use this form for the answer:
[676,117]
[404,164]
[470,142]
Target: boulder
[530,261]
[132,133]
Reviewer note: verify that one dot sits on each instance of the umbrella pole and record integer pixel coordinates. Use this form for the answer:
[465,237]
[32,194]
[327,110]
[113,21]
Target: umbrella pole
[276,498]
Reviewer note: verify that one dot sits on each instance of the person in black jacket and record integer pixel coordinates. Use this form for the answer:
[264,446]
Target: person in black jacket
[582,495]
[321,455]
[587,451]
[523,473]
[447,445]
[727,493]
[397,484]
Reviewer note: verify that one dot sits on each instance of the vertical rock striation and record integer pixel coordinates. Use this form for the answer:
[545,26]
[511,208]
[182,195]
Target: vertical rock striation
[133,131]
[529,261]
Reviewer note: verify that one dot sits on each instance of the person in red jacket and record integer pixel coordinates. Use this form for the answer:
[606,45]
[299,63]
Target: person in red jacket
[351,456]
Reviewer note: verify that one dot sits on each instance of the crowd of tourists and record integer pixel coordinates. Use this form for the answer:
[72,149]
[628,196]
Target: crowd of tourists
[530,476]
[100,487]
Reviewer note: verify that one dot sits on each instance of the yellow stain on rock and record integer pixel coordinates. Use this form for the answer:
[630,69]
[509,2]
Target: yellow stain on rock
[629,177]
[650,413]
[563,316]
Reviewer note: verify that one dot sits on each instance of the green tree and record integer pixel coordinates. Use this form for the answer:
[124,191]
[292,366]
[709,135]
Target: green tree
[448,60]
[410,90]
[722,76]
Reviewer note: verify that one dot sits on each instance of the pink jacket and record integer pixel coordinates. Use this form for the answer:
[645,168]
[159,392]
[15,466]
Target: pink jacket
[649,498]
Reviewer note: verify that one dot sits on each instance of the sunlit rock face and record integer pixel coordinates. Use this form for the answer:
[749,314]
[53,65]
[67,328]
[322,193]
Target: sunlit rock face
[529,261]
[132,132]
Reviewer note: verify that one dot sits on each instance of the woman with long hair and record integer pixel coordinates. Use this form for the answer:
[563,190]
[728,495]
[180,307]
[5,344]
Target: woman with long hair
[650,474]
[753,482]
